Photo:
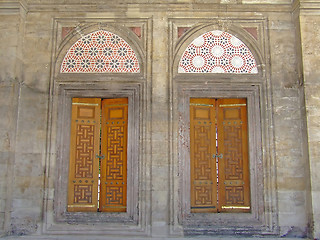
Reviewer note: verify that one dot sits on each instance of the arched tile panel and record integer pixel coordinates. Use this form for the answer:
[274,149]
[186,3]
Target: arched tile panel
[100,52]
[217,52]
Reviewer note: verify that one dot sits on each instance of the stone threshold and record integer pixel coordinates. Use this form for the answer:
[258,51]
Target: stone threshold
[90,237]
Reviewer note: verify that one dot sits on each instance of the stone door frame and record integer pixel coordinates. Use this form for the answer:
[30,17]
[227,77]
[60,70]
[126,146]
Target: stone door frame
[257,89]
[63,87]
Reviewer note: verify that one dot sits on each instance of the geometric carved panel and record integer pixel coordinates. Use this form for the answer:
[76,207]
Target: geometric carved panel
[84,151]
[115,151]
[217,52]
[114,195]
[83,193]
[233,153]
[203,165]
[203,196]
[234,195]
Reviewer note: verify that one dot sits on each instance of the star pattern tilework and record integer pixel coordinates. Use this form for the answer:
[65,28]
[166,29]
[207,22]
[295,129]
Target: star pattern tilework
[217,52]
[100,52]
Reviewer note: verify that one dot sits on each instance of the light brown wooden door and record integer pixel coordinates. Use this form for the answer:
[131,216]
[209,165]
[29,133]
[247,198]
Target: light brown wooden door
[113,190]
[219,155]
[234,185]
[84,146]
[203,146]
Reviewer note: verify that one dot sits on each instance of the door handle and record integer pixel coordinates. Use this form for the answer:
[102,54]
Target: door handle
[100,157]
[217,155]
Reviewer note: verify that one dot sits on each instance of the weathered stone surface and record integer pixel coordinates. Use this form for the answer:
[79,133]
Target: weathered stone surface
[31,49]
[310,26]
[9,61]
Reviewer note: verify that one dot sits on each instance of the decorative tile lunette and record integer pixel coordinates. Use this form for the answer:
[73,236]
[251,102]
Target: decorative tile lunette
[100,52]
[217,52]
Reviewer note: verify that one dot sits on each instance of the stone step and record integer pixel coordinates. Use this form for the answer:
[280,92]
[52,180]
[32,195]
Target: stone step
[90,237]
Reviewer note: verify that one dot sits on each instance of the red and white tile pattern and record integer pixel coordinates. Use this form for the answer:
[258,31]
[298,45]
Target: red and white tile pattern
[217,52]
[100,52]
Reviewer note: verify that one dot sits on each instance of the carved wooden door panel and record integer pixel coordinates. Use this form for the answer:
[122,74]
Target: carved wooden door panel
[234,188]
[203,146]
[98,149]
[84,145]
[219,155]
[113,188]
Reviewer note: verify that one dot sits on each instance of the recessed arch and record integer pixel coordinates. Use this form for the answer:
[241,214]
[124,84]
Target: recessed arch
[214,85]
[100,52]
[217,52]
[108,84]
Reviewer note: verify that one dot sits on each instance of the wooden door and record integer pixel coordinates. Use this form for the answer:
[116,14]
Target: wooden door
[114,131]
[203,146]
[84,146]
[219,155]
[234,184]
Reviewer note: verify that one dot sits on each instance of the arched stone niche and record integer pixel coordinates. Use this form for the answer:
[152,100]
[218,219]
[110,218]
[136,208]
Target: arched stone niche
[96,60]
[198,72]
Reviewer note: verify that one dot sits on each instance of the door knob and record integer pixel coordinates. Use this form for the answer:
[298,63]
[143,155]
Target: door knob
[100,157]
[217,155]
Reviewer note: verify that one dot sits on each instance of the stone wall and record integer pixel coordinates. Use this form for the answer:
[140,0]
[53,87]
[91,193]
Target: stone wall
[309,27]
[291,173]
[31,146]
[11,18]
[28,143]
